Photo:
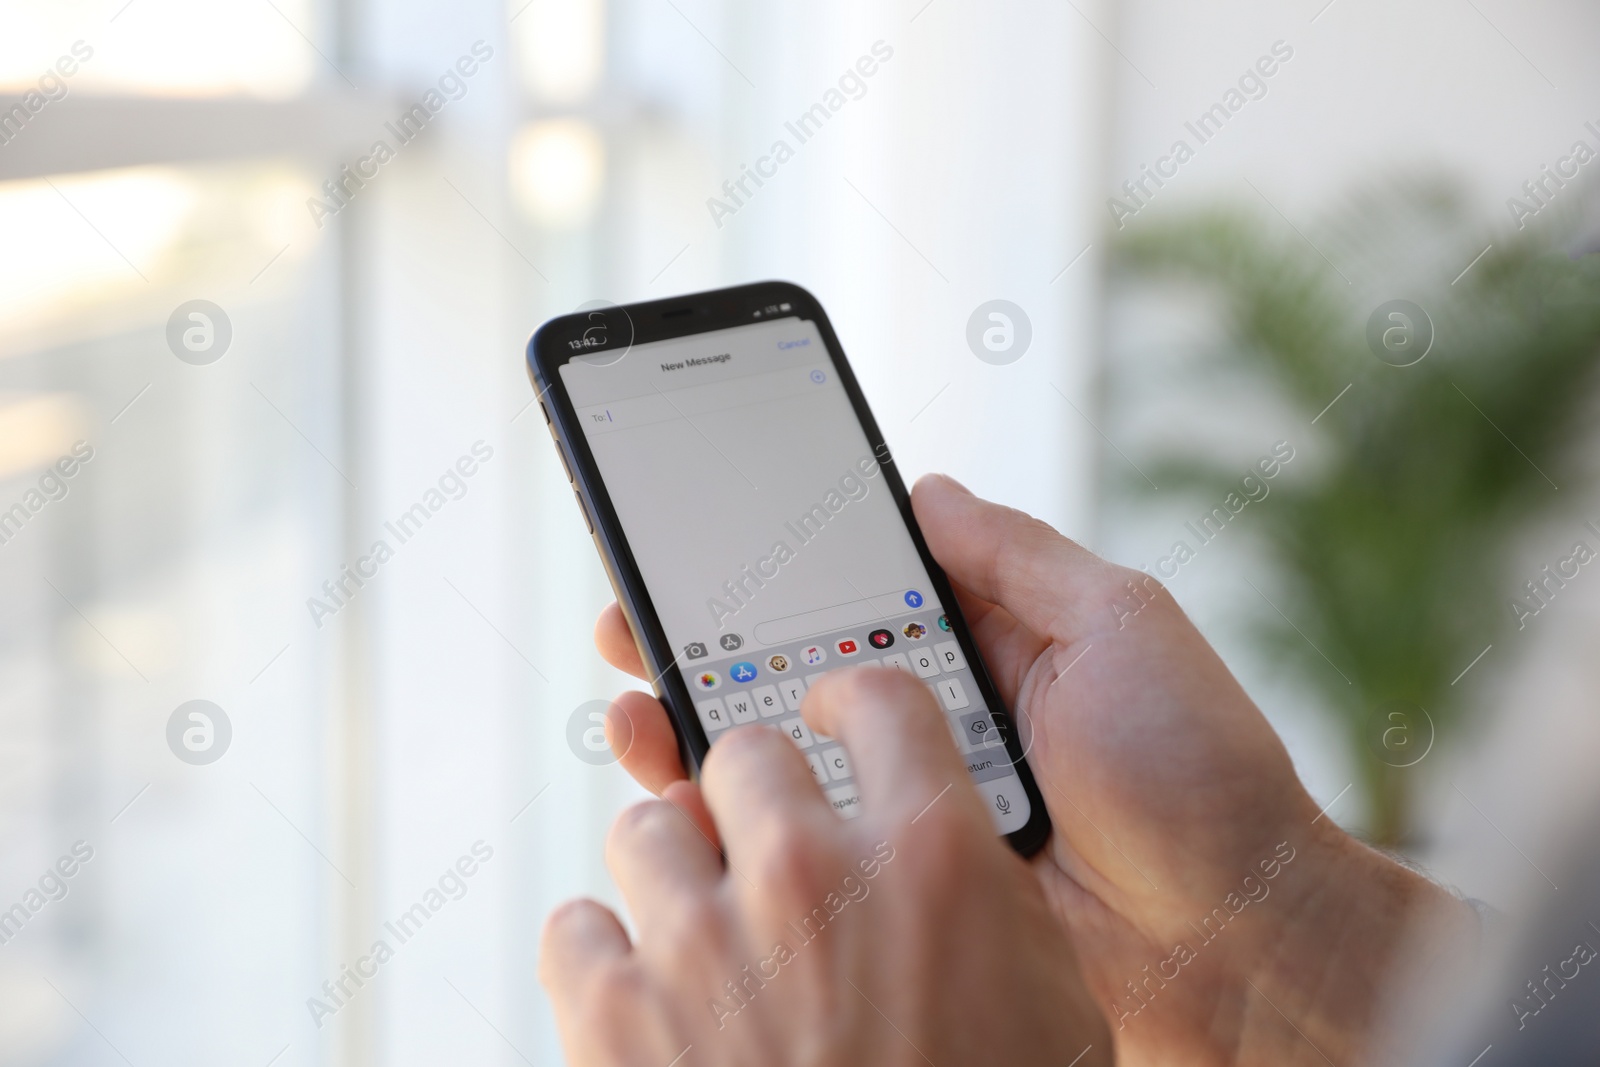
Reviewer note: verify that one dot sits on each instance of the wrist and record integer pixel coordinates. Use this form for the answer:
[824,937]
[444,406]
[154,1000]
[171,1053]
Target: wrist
[1340,934]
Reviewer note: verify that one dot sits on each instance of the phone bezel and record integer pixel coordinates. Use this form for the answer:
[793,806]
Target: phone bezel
[660,320]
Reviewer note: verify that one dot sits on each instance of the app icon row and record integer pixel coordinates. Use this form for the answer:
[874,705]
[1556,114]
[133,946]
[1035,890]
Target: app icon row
[914,631]
[945,656]
[813,655]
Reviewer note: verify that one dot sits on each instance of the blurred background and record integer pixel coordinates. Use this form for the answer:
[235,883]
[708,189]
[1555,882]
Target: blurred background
[183,483]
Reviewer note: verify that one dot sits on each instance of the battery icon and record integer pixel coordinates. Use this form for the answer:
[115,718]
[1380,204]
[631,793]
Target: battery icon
[783,307]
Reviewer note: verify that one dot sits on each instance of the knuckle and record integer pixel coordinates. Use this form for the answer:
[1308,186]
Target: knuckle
[614,994]
[891,693]
[565,918]
[616,983]
[1127,593]
[636,822]
[1148,584]
[944,839]
[694,926]
[741,755]
[739,746]
[1112,582]
[1024,546]
[791,864]
[563,915]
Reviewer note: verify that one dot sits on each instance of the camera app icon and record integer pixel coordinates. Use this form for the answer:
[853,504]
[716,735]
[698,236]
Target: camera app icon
[695,650]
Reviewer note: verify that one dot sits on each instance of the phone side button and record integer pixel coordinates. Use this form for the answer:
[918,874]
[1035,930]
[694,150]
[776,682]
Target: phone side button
[584,510]
[561,451]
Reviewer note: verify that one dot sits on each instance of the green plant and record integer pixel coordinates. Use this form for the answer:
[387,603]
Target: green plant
[1395,544]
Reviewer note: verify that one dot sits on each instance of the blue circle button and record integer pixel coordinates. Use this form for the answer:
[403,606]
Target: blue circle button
[818,377]
[742,671]
[913,599]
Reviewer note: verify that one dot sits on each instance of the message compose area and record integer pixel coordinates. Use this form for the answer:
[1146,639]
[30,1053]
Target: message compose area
[688,402]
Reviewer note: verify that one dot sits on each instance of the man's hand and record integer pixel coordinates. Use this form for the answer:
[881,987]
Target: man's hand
[910,935]
[1217,916]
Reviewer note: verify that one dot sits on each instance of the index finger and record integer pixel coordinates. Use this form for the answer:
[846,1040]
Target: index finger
[899,741]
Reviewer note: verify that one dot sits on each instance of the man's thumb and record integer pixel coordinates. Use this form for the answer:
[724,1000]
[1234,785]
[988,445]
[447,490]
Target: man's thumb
[1049,583]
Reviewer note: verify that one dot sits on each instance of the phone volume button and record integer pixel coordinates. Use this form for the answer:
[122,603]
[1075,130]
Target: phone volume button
[562,452]
[584,510]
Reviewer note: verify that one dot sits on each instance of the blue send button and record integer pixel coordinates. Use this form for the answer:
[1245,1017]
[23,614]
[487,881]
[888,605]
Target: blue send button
[913,598]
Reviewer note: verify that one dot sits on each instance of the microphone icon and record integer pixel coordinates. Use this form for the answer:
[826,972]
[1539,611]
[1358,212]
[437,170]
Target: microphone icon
[1002,804]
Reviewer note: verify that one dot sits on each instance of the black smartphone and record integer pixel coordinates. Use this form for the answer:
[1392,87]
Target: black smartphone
[756,529]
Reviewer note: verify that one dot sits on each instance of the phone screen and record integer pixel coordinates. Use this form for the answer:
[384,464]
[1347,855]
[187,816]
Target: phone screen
[771,549]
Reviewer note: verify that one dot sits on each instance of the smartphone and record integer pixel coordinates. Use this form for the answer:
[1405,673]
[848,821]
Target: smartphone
[757,531]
